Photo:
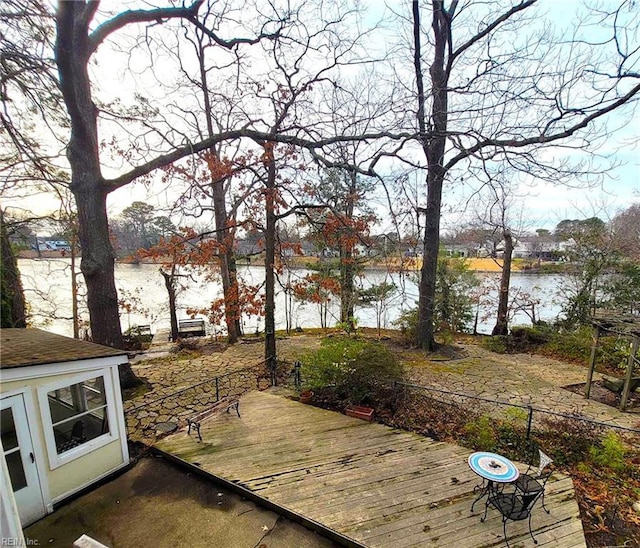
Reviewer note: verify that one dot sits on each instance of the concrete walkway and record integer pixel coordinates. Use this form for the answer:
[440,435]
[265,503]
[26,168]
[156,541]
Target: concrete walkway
[522,379]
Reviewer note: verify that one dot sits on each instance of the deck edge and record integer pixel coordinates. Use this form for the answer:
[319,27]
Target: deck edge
[310,524]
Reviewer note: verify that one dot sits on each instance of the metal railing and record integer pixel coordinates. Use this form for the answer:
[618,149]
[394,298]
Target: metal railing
[291,374]
[448,396]
[142,419]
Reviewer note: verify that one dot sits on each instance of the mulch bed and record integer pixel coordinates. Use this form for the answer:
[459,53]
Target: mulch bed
[602,394]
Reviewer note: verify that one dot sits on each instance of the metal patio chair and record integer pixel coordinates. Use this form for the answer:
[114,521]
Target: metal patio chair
[515,505]
[535,479]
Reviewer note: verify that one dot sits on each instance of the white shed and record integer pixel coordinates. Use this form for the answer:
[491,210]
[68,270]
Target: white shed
[62,420]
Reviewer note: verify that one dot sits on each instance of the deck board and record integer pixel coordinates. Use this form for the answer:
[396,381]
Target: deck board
[377,485]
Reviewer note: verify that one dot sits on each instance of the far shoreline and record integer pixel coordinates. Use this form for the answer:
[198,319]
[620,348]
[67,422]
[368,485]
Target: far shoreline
[481,265]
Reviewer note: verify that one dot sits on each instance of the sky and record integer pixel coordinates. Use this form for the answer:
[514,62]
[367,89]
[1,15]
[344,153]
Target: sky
[544,204]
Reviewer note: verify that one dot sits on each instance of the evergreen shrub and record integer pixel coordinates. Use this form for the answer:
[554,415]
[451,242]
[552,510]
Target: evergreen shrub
[354,370]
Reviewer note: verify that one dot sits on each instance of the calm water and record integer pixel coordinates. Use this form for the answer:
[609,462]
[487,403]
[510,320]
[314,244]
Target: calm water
[48,291]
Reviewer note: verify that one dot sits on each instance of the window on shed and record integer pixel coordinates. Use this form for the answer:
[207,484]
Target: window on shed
[78,413]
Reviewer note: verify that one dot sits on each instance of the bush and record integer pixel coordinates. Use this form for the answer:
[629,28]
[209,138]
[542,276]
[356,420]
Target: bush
[528,337]
[135,339]
[407,323]
[453,306]
[521,339]
[355,370]
[480,434]
[567,440]
[576,346]
[570,345]
[610,453]
[497,344]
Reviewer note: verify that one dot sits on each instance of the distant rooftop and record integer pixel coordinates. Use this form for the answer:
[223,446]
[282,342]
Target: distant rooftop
[25,347]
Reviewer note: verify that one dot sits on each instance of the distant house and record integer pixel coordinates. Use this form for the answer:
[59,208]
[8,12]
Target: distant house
[249,247]
[62,420]
[460,250]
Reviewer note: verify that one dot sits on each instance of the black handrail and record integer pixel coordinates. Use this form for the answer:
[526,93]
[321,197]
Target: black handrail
[530,408]
[215,379]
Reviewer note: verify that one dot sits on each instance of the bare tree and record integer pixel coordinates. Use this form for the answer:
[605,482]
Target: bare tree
[493,93]
[220,171]
[29,97]
[76,44]
[499,211]
[626,231]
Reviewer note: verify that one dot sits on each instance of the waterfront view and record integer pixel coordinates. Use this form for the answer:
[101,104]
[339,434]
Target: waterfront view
[142,287]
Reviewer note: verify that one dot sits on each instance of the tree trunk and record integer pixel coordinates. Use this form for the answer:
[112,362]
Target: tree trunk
[74,289]
[228,270]
[433,147]
[428,271]
[224,236]
[171,291]
[11,292]
[347,276]
[501,327]
[269,260]
[72,53]
[347,267]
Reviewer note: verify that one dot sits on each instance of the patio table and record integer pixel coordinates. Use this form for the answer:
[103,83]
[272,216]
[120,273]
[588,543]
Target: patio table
[493,469]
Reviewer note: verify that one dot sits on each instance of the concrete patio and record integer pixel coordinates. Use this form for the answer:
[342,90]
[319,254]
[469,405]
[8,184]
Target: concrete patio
[158,505]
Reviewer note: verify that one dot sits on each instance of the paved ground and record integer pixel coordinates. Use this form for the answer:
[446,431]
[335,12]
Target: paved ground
[167,373]
[516,378]
[157,505]
[523,379]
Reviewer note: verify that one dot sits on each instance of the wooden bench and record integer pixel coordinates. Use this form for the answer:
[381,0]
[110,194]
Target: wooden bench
[191,328]
[224,404]
[143,330]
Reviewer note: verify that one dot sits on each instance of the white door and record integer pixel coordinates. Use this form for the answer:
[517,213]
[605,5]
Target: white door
[17,446]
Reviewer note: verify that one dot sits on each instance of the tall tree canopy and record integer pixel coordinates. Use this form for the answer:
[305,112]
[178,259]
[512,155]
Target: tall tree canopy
[501,89]
[480,84]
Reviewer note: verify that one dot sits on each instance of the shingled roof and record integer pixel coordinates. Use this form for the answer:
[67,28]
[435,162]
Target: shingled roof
[25,347]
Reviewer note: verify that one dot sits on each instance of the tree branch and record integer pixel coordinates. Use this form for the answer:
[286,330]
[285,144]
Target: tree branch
[489,28]
[258,136]
[139,16]
[542,138]
[230,44]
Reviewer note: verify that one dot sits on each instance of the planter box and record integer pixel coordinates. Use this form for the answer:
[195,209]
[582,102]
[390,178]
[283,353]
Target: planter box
[306,396]
[360,412]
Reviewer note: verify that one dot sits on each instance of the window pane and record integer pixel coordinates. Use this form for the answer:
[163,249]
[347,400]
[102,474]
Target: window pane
[94,393]
[63,394]
[79,417]
[16,471]
[9,436]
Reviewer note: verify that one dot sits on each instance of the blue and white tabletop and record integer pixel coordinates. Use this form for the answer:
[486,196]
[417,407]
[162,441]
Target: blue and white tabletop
[493,467]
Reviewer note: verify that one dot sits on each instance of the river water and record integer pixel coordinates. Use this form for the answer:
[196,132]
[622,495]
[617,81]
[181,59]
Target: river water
[48,291]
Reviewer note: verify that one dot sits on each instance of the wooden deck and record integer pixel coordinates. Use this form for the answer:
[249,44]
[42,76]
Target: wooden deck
[377,485]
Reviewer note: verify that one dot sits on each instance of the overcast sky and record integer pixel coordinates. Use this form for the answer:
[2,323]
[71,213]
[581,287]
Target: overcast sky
[544,204]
